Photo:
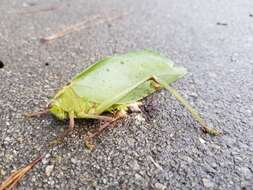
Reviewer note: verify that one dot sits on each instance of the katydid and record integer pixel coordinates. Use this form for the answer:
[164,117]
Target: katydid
[114,84]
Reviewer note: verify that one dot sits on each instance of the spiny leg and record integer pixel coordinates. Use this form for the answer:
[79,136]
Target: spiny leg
[89,137]
[105,124]
[193,112]
[60,137]
[36,114]
[99,117]
[69,129]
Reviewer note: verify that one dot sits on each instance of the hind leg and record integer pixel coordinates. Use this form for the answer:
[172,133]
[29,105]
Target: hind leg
[90,135]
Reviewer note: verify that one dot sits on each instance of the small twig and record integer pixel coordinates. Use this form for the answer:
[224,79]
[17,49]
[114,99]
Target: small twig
[81,25]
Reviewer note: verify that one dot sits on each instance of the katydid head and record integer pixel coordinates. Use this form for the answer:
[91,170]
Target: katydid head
[56,110]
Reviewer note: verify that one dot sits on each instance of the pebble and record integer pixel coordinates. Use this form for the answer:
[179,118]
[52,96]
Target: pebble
[234,57]
[44,161]
[51,182]
[73,160]
[49,170]
[25,5]
[47,155]
[193,95]
[245,171]
[139,119]
[2,172]
[138,177]
[159,186]
[202,141]
[134,165]
[207,183]
[7,139]
[212,75]
[248,112]
[189,159]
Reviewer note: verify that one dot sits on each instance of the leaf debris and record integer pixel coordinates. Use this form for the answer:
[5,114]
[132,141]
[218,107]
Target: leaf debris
[85,23]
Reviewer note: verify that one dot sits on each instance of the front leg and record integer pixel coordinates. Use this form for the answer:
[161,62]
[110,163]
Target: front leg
[71,126]
[71,122]
[36,114]
[67,131]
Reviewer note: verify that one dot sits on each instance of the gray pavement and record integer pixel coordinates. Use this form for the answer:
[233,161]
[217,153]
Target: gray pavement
[163,148]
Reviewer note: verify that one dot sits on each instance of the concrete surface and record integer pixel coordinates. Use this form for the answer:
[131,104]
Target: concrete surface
[161,149]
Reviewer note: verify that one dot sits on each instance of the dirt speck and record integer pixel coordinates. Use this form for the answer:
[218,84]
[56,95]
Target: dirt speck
[221,23]
[1,64]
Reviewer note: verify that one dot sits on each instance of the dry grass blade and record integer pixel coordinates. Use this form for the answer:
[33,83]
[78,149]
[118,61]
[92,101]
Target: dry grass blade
[96,19]
[16,176]
[69,29]
[52,8]
[39,10]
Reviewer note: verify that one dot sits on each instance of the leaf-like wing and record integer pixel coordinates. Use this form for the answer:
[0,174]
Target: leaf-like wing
[111,76]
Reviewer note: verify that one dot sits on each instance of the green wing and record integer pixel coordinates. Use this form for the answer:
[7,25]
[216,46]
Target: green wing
[111,76]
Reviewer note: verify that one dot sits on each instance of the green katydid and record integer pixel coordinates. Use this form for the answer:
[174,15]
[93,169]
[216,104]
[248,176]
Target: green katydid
[114,84]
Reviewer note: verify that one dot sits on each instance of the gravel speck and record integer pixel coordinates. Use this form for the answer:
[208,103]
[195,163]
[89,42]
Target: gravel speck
[73,160]
[159,186]
[134,165]
[245,171]
[202,141]
[207,183]
[49,170]
[138,177]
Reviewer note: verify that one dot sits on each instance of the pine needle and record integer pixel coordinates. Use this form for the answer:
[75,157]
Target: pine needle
[16,176]
[86,23]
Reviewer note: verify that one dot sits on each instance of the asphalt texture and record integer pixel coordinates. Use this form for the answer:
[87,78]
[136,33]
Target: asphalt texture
[161,148]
